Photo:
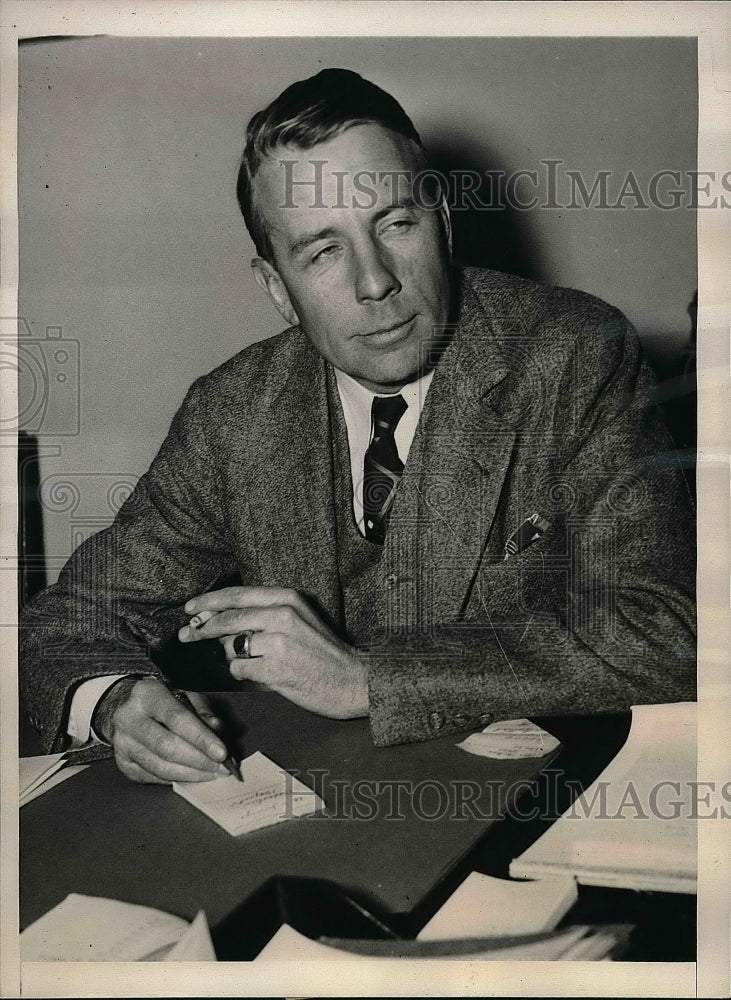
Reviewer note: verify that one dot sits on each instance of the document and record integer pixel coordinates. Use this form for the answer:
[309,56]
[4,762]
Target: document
[39,774]
[634,827]
[268,795]
[484,907]
[95,929]
[511,739]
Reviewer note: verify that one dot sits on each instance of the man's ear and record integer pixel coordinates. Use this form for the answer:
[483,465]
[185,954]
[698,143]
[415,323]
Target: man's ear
[267,277]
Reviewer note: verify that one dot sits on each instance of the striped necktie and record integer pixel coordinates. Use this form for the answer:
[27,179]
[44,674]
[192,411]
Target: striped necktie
[382,467]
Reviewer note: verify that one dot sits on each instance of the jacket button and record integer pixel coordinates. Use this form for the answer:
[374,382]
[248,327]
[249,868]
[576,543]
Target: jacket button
[391,581]
[461,720]
[436,720]
[484,720]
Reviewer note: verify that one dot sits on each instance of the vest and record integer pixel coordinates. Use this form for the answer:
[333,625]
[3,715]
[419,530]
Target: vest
[358,559]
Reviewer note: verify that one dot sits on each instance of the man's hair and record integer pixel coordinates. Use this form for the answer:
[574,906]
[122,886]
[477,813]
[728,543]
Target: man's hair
[307,113]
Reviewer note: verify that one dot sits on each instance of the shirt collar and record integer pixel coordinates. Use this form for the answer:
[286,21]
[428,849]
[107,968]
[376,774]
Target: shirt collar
[359,399]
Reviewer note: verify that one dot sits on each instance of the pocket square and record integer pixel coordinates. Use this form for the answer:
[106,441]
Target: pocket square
[525,534]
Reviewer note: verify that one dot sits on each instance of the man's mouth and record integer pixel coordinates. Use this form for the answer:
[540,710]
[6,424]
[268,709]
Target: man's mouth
[390,334]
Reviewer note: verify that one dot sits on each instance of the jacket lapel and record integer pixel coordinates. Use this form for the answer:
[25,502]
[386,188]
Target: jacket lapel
[293,507]
[443,514]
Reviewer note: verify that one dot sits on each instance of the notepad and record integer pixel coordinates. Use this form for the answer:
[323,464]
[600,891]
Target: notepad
[94,929]
[484,906]
[268,795]
[623,830]
[510,739]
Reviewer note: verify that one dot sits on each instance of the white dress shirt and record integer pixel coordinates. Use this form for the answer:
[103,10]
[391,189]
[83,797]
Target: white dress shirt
[356,401]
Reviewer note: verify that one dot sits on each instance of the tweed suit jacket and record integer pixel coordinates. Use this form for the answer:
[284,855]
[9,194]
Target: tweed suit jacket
[540,404]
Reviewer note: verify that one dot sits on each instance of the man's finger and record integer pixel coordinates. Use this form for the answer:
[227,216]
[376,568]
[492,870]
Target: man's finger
[262,666]
[138,765]
[251,670]
[241,597]
[279,618]
[181,731]
[192,731]
[136,773]
[229,644]
[204,711]
[160,743]
[162,753]
[197,620]
[229,622]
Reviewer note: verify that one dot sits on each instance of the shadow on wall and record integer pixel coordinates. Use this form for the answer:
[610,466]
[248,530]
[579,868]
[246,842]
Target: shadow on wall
[501,238]
[497,238]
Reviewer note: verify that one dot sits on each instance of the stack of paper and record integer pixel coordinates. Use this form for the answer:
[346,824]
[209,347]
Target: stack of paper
[635,827]
[580,943]
[511,739]
[485,918]
[489,907]
[267,795]
[94,929]
[38,774]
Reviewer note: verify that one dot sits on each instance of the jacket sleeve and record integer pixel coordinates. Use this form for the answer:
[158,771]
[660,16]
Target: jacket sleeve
[120,597]
[596,616]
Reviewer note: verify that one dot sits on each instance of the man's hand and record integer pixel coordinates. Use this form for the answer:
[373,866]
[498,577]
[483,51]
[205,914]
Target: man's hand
[155,738]
[292,650]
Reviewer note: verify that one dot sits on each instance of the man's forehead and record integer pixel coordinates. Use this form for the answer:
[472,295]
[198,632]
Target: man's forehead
[349,170]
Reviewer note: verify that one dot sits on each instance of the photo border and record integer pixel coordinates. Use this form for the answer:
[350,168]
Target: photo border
[709,23]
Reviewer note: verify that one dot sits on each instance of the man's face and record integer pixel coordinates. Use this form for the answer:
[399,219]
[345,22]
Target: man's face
[358,264]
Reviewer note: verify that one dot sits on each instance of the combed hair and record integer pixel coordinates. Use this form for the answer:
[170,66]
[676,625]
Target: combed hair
[305,114]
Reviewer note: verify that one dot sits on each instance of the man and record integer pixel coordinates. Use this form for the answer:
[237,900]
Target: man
[443,494]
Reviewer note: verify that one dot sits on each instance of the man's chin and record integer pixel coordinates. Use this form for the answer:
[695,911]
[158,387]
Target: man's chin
[389,382]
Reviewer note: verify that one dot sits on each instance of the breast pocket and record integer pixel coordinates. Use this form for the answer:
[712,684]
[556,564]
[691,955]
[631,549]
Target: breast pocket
[511,588]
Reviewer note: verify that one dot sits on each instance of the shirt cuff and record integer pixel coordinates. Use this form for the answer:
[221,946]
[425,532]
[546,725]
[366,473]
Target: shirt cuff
[85,699]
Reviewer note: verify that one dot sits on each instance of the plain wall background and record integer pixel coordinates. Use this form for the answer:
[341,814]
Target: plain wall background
[131,240]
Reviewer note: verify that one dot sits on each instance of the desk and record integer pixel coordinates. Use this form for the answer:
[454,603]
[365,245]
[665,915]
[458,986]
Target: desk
[399,844]
[389,842]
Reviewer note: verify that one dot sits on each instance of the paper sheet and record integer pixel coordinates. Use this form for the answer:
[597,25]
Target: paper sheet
[55,779]
[33,771]
[267,796]
[484,906]
[288,945]
[511,739]
[625,830]
[94,929]
[195,944]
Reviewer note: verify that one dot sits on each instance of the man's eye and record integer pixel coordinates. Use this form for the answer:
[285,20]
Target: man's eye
[325,253]
[398,225]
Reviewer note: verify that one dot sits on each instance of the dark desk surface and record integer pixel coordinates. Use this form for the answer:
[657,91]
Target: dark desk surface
[404,826]
[100,834]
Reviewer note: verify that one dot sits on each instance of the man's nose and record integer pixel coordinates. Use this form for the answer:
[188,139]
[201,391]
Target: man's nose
[374,274]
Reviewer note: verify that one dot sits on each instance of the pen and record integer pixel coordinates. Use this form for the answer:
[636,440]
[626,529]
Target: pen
[525,534]
[229,763]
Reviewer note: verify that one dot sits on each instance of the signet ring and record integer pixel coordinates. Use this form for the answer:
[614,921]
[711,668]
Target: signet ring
[242,644]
